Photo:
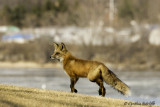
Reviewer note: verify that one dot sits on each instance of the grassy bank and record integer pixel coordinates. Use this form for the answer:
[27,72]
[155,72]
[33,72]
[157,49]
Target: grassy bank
[22,64]
[13,96]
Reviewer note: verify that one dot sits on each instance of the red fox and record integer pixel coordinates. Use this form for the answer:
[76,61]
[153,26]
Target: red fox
[93,70]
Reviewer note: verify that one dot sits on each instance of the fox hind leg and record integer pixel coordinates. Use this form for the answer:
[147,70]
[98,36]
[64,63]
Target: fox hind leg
[73,82]
[102,90]
[95,75]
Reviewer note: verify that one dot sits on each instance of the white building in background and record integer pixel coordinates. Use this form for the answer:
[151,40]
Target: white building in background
[154,37]
[17,38]
[3,29]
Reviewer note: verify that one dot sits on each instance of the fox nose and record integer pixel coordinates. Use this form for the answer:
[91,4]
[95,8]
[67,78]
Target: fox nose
[50,57]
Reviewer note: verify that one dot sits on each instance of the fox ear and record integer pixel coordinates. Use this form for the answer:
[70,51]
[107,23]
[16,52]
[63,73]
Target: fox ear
[63,47]
[55,45]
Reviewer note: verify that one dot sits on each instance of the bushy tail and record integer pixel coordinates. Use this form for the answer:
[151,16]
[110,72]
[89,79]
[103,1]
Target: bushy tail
[110,78]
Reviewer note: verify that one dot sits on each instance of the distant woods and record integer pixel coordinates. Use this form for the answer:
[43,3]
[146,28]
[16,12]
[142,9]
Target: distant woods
[36,13]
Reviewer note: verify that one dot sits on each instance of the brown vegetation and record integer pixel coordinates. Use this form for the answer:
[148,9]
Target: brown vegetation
[37,51]
[131,55]
[139,55]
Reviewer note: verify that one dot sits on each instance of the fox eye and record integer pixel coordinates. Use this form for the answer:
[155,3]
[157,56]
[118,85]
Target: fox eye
[57,53]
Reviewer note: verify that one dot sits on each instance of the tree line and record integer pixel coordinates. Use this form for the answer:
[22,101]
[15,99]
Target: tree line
[28,13]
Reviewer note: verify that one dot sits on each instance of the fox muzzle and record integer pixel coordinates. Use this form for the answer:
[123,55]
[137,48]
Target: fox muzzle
[51,57]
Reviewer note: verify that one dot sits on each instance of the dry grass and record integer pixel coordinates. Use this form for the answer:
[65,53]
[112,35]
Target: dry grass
[134,56]
[13,96]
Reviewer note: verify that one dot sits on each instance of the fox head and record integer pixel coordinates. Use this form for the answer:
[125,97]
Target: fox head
[59,52]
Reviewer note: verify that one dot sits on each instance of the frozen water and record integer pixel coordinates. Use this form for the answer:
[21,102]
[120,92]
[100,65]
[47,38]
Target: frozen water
[144,85]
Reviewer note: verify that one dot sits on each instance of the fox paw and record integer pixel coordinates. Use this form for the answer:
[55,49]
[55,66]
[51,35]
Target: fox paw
[75,91]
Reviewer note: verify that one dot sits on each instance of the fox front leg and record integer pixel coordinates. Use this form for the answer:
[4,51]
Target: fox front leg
[73,82]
